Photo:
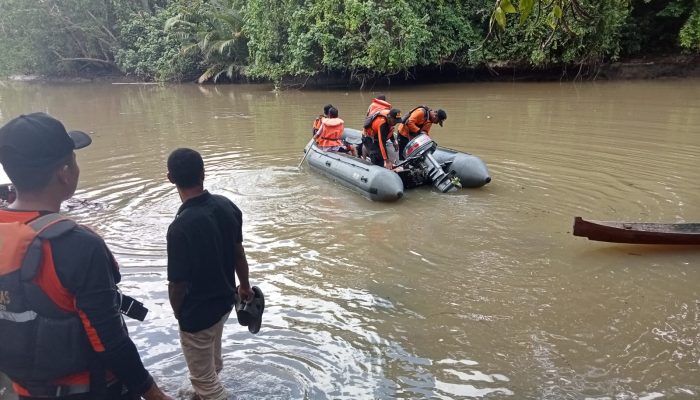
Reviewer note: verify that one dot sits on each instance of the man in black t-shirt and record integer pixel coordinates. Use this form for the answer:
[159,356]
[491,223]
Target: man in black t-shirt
[205,252]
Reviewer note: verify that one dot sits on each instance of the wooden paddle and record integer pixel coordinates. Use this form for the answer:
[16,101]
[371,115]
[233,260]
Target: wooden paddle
[306,153]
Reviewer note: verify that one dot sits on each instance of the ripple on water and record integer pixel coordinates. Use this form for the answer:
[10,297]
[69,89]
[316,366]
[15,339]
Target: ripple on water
[478,294]
[321,343]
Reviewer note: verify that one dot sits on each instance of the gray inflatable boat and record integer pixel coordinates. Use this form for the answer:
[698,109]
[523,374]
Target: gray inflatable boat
[380,184]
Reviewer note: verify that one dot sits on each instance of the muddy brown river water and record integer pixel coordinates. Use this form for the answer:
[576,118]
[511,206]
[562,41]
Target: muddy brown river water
[483,293]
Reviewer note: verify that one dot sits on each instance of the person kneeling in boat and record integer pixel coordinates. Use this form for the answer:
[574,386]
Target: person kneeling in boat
[416,122]
[318,121]
[379,128]
[330,134]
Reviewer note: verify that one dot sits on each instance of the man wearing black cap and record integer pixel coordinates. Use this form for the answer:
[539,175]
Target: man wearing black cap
[418,121]
[63,289]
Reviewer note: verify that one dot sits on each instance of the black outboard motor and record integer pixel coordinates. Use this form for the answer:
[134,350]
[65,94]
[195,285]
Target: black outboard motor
[419,153]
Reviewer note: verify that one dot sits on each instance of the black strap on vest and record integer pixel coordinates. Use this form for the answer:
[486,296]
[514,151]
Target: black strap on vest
[426,112]
[49,226]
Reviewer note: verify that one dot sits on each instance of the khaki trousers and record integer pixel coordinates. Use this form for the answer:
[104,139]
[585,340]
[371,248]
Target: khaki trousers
[202,352]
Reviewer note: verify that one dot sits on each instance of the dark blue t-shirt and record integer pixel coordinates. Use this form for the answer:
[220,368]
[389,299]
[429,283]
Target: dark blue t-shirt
[201,254]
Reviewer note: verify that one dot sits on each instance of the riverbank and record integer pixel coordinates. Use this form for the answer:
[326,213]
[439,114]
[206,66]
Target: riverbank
[653,67]
[657,67]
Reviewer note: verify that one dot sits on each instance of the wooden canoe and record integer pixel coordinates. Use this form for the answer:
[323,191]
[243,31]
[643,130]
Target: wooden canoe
[637,232]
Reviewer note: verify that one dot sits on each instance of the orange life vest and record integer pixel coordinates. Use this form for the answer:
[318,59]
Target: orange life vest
[317,124]
[38,312]
[372,128]
[378,105]
[330,132]
[418,122]
[374,121]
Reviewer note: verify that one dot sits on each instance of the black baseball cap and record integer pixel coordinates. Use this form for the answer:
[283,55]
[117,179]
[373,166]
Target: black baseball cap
[38,140]
[395,113]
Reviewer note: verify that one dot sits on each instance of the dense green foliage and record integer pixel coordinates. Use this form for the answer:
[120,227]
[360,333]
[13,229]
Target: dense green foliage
[213,30]
[304,37]
[147,51]
[546,34]
[278,39]
[690,33]
[50,36]
[61,37]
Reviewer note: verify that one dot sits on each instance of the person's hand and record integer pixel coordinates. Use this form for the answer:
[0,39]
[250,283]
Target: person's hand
[388,164]
[154,393]
[245,293]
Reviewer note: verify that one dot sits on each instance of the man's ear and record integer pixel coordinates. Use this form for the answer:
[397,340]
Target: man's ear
[170,178]
[62,173]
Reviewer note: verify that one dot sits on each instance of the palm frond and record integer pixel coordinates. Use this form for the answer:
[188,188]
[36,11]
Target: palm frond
[211,71]
[222,45]
[176,21]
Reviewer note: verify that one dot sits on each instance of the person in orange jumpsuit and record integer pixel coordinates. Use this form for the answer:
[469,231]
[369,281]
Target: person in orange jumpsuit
[378,129]
[418,121]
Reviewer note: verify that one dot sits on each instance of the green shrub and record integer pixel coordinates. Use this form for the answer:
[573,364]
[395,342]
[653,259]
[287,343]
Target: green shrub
[689,36]
[147,51]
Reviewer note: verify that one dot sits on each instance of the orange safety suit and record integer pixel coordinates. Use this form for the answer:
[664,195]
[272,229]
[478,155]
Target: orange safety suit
[379,130]
[415,121]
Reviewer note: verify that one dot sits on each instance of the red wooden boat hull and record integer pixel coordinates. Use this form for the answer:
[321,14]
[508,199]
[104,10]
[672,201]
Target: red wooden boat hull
[637,233]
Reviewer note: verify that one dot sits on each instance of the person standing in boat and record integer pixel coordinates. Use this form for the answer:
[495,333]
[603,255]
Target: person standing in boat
[378,103]
[205,253]
[378,129]
[318,121]
[418,121]
[330,135]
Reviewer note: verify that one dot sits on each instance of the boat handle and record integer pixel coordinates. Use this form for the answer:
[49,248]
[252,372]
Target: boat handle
[364,179]
[328,163]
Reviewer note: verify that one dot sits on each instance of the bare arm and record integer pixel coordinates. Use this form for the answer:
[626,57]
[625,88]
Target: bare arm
[176,292]
[241,267]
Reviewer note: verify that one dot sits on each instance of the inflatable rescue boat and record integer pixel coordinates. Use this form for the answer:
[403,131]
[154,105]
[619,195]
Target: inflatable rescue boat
[426,164]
